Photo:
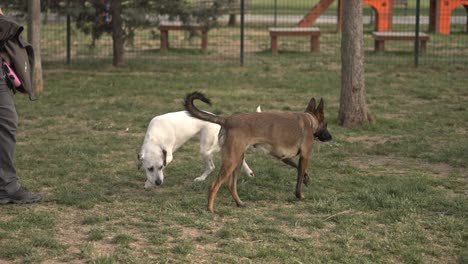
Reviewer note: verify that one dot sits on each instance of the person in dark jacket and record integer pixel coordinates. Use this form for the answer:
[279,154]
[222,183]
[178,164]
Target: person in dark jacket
[10,189]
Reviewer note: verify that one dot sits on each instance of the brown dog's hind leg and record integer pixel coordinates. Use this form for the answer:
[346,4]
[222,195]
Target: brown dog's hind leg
[227,169]
[233,184]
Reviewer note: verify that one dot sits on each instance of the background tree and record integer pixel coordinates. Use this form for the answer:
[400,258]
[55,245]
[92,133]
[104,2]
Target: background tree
[34,37]
[117,33]
[353,105]
[232,16]
[94,17]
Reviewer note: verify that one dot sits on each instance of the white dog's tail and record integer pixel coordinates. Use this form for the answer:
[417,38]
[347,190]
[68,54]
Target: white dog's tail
[197,113]
[259,109]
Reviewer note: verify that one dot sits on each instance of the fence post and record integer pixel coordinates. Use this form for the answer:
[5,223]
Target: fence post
[242,32]
[417,29]
[276,12]
[68,39]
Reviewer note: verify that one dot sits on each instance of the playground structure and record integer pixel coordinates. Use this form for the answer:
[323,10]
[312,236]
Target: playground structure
[439,17]
[383,10]
[440,14]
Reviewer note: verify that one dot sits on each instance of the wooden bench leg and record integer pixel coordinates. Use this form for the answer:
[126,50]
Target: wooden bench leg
[204,40]
[314,43]
[379,45]
[423,46]
[274,45]
[164,40]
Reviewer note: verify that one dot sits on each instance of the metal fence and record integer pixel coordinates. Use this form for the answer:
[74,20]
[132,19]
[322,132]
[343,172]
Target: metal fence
[244,34]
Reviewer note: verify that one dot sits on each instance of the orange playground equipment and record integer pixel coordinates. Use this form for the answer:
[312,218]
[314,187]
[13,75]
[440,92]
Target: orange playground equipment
[383,10]
[440,13]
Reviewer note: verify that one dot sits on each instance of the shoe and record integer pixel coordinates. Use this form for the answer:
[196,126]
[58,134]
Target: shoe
[21,196]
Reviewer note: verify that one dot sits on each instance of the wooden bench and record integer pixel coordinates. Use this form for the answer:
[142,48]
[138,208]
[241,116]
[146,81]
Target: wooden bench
[167,26]
[313,32]
[381,37]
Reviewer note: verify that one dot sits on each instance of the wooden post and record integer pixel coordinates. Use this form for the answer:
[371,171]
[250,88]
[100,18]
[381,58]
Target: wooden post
[274,45]
[34,37]
[164,40]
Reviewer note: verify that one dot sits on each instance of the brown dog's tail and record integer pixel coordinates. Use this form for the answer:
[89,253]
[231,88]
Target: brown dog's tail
[197,113]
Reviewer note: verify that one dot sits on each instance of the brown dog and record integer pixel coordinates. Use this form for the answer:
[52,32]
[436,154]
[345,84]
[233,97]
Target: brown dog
[283,134]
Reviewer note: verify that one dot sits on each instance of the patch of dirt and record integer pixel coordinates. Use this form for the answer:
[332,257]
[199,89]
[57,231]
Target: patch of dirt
[70,231]
[369,140]
[102,248]
[305,233]
[188,232]
[399,166]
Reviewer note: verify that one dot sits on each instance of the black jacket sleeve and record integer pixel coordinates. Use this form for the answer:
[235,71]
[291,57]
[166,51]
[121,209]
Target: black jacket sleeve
[8,29]
[20,52]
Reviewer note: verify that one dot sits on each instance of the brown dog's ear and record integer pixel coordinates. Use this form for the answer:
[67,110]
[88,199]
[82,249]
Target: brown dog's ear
[311,106]
[320,106]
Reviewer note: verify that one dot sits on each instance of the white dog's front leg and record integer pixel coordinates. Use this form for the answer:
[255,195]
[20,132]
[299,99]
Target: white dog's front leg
[208,168]
[169,157]
[247,169]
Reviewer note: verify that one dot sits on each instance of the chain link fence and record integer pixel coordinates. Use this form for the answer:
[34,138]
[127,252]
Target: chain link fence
[242,33]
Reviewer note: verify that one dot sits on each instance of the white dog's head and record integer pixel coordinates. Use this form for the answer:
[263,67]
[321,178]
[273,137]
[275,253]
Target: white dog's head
[153,161]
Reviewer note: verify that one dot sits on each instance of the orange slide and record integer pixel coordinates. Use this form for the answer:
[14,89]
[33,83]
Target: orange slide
[383,10]
[440,13]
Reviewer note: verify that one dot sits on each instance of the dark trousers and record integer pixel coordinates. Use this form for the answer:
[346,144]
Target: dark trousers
[8,124]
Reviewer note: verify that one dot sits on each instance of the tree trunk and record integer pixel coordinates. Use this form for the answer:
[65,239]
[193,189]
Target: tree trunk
[233,6]
[232,20]
[34,37]
[353,106]
[117,33]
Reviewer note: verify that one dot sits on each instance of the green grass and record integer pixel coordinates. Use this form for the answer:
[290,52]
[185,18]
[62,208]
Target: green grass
[391,192]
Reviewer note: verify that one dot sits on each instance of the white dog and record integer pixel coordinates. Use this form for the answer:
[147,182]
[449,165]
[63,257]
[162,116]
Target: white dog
[166,133]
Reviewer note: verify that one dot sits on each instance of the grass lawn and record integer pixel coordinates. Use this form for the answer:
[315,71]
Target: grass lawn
[392,192]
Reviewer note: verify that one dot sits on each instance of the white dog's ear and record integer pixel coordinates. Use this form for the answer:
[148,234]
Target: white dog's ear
[259,109]
[140,158]
[164,152]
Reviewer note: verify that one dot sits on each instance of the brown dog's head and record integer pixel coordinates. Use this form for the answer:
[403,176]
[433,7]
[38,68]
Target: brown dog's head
[321,133]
